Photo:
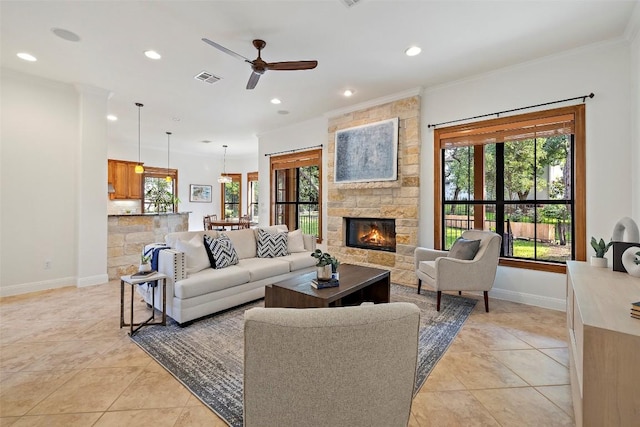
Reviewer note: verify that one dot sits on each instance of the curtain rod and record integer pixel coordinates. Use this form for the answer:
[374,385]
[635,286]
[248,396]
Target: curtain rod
[583,97]
[293,151]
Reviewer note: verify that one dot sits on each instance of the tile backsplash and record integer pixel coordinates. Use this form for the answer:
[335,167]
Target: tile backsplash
[123,207]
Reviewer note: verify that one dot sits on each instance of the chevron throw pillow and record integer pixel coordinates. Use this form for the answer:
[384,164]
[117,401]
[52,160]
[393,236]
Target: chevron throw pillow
[272,245]
[220,251]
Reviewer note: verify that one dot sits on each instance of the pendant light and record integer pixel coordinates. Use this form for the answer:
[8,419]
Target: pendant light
[139,168]
[168,178]
[224,179]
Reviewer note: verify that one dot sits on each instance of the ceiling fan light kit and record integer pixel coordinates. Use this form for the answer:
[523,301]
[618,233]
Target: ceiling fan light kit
[259,66]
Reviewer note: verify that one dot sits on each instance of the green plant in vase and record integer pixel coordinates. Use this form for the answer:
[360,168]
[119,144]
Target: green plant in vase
[325,265]
[601,248]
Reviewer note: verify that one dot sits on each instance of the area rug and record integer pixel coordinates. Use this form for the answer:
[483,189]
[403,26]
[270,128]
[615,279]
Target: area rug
[207,356]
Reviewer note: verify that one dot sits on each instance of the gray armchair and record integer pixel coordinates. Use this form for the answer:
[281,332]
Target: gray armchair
[444,273]
[348,366]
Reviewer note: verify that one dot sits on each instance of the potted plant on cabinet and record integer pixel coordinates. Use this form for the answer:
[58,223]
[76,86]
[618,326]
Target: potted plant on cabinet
[601,248]
[325,264]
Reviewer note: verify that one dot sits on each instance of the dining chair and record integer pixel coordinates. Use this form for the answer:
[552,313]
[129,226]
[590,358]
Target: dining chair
[207,221]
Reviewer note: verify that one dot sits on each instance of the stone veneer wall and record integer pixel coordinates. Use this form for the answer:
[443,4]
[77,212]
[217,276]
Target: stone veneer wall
[385,199]
[127,235]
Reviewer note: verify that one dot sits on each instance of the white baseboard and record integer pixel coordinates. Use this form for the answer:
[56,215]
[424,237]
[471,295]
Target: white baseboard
[92,280]
[529,299]
[25,288]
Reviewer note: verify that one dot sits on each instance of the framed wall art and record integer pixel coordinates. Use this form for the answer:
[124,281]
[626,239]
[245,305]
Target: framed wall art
[200,193]
[367,153]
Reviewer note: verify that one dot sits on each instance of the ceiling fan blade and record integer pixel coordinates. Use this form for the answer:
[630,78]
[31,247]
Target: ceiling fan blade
[225,50]
[291,65]
[253,80]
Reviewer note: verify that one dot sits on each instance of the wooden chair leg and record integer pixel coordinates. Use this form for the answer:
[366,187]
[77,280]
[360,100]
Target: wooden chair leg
[486,301]
[439,295]
[419,285]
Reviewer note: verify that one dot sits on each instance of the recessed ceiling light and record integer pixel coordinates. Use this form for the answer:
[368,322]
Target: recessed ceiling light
[283,112]
[176,119]
[27,57]
[66,34]
[112,118]
[413,51]
[206,141]
[152,54]
[276,101]
[348,92]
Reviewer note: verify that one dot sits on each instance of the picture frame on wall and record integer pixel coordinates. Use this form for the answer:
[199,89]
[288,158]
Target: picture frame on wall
[200,193]
[367,153]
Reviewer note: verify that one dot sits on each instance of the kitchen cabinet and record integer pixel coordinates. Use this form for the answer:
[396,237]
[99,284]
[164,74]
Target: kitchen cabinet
[126,182]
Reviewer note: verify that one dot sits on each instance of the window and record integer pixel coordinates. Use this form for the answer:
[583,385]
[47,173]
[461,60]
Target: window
[253,188]
[522,177]
[231,202]
[160,195]
[296,188]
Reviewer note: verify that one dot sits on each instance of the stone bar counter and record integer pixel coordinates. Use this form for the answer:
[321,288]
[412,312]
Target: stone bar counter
[127,235]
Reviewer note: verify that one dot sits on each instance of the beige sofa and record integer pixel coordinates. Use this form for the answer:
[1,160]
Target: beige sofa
[194,292]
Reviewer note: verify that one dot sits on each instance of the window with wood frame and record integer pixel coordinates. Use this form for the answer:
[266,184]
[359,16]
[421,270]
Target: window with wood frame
[296,191]
[230,200]
[521,176]
[253,188]
[160,195]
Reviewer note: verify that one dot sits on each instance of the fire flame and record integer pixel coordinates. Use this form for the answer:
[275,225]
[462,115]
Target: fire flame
[374,236]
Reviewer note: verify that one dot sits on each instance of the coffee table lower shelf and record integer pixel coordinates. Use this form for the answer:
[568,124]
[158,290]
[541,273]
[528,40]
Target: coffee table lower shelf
[358,284]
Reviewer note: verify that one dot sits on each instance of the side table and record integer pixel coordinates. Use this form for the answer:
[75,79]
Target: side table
[135,281]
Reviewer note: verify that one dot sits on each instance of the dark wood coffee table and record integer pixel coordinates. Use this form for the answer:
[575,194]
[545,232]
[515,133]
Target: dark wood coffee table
[358,284]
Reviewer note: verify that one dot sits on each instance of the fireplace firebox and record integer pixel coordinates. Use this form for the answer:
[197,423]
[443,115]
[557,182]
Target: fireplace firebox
[371,233]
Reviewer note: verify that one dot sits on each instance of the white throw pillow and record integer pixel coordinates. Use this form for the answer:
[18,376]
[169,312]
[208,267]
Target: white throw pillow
[195,255]
[295,242]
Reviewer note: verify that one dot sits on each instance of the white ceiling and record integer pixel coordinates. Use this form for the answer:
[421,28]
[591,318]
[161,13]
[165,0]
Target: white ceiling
[361,48]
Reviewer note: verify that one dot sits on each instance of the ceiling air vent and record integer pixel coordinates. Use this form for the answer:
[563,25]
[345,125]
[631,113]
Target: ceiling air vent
[206,77]
[350,3]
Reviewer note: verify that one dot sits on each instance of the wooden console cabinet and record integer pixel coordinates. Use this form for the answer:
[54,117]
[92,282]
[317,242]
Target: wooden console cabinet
[604,346]
[126,182]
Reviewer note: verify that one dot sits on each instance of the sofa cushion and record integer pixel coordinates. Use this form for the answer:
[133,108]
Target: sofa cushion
[262,268]
[295,242]
[220,251]
[464,249]
[272,245]
[299,260]
[210,280]
[171,238]
[428,268]
[244,241]
[195,254]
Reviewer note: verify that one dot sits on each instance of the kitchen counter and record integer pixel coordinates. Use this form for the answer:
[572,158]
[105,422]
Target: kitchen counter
[128,233]
[151,214]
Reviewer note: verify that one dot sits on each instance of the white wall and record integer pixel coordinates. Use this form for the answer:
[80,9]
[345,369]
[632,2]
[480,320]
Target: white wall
[601,69]
[300,136]
[192,169]
[40,174]
[635,115]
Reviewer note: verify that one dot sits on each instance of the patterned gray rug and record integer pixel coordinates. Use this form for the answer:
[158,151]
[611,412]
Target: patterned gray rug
[207,357]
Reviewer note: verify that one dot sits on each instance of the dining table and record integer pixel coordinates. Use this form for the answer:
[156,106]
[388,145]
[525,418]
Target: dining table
[227,223]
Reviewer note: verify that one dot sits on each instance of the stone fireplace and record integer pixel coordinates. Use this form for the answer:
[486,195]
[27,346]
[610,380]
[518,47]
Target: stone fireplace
[378,234]
[397,201]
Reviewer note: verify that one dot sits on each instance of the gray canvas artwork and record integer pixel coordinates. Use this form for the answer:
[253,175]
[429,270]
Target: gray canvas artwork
[367,153]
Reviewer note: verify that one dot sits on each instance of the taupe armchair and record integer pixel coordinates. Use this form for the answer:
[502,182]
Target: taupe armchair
[347,366]
[444,273]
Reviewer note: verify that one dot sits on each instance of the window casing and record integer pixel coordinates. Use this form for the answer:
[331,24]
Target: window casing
[230,200]
[159,196]
[522,176]
[296,191]
[253,189]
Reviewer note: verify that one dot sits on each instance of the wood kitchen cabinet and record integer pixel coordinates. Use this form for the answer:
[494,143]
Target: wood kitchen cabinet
[604,346]
[126,182]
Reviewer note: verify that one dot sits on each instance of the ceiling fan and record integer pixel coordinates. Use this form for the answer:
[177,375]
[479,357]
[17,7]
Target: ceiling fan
[259,66]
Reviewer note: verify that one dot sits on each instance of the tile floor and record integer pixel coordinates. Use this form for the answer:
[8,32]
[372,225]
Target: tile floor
[65,362]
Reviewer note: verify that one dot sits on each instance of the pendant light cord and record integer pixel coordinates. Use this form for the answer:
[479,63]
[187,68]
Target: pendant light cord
[139,105]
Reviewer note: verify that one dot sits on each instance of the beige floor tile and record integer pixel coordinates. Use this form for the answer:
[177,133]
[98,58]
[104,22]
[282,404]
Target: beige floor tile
[560,355]
[521,407]
[450,408]
[560,395]
[64,420]
[69,355]
[55,331]
[534,367]
[124,353]
[194,401]
[541,335]
[23,390]
[442,378]
[165,417]
[88,390]
[475,337]
[153,388]
[8,421]
[482,370]
[16,356]
[199,416]
[413,422]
